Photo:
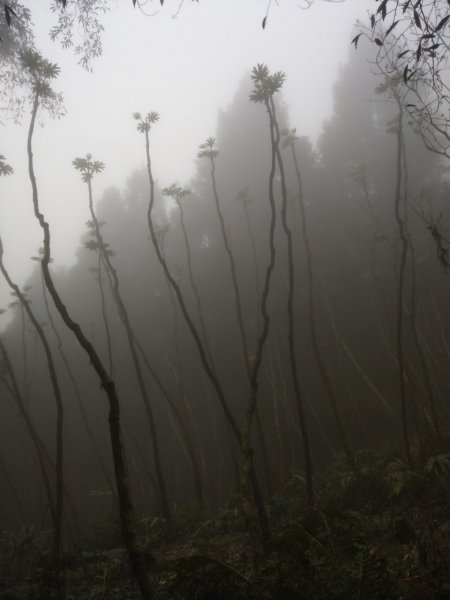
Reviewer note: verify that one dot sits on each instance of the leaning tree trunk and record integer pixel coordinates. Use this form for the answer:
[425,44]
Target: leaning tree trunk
[239,317]
[123,313]
[208,368]
[400,290]
[57,533]
[290,311]
[123,492]
[320,360]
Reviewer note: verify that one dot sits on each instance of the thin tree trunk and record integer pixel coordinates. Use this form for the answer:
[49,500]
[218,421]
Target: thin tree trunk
[200,346]
[177,372]
[186,438]
[239,317]
[77,392]
[400,290]
[413,305]
[57,533]
[193,284]
[105,317]
[290,313]
[15,493]
[255,261]
[123,492]
[123,313]
[320,360]
[14,391]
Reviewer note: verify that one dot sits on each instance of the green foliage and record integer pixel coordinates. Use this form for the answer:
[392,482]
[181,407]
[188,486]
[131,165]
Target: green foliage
[289,137]
[207,149]
[175,191]
[145,123]
[327,557]
[225,521]
[40,73]
[100,248]
[438,466]
[201,577]
[266,84]
[80,16]
[5,169]
[400,478]
[40,255]
[153,529]
[88,167]
[384,477]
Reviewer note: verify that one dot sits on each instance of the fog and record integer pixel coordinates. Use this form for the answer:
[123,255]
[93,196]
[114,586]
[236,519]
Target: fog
[187,68]
[229,377]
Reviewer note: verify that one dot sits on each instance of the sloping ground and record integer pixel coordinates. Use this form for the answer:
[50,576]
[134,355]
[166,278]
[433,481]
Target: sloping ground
[381,536]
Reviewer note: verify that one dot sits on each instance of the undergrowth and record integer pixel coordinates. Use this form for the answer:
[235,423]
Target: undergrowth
[382,534]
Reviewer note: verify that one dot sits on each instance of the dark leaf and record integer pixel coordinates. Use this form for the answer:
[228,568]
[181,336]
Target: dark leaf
[162,2]
[378,42]
[417,19]
[433,47]
[8,15]
[405,74]
[134,3]
[418,52]
[394,24]
[372,21]
[355,40]
[264,21]
[382,9]
[402,54]
[442,22]
[405,6]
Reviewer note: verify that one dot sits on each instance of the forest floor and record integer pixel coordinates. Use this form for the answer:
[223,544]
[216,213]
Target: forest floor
[383,535]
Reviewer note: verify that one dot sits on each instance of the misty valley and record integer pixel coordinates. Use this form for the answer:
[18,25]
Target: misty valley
[240,388]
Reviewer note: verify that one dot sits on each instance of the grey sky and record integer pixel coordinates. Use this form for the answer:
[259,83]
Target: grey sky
[186,69]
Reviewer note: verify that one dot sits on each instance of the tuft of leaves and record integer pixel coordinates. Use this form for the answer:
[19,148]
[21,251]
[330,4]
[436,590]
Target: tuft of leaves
[88,167]
[80,27]
[8,12]
[175,191]
[289,137]
[207,149]
[5,169]
[442,252]
[145,123]
[266,84]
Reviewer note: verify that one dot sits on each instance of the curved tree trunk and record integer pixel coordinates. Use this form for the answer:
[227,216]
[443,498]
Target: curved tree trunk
[123,313]
[123,492]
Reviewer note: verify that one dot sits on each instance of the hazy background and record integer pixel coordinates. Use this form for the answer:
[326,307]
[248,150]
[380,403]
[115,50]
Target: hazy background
[186,68]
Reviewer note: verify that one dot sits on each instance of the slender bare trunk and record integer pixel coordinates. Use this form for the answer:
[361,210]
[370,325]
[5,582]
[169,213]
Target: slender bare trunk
[14,391]
[57,533]
[123,492]
[194,285]
[240,318]
[400,289]
[77,393]
[207,366]
[290,313]
[123,313]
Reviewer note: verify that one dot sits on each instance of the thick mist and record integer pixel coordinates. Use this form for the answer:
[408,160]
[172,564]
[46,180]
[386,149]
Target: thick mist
[187,68]
[223,364]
